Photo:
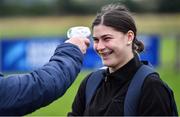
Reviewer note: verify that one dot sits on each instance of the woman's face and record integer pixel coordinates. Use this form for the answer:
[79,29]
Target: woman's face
[114,47]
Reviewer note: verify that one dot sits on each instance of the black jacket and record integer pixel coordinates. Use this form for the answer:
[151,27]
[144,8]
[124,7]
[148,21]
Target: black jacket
[109,97]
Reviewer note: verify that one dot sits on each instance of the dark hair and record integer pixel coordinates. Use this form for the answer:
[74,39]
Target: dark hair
[118,17]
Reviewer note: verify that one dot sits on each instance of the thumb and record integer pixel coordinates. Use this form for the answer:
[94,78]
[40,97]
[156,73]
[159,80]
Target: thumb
[87,42]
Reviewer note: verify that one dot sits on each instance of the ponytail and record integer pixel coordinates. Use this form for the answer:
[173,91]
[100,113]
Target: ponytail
[137,46]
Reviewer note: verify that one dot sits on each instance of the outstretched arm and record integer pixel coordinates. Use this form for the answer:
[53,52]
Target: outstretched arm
[22,94]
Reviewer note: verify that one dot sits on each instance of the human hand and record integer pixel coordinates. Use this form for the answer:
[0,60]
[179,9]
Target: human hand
[82,42]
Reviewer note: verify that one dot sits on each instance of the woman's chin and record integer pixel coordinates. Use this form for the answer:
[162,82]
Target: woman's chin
[107,63]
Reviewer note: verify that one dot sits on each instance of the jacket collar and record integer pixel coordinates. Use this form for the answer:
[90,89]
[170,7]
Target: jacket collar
[127,71]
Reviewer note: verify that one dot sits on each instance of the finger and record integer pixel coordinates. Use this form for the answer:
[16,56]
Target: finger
[84,51]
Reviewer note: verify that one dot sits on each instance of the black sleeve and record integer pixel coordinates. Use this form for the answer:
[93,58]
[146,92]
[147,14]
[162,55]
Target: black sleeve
[78,105]
[155,98]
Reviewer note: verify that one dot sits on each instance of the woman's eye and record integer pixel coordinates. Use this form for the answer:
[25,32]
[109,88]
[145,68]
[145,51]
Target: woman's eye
[107,39]
[95,40]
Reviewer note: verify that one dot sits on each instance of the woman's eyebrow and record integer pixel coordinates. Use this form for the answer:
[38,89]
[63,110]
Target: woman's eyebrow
[105,35]
[102,36]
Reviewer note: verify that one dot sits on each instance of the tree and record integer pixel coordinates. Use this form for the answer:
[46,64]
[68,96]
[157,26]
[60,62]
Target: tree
[169,6]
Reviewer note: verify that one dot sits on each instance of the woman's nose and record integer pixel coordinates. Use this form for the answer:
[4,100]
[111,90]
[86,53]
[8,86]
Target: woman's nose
[100,46]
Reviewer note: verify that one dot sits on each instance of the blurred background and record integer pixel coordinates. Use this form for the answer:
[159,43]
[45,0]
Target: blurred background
[31,29]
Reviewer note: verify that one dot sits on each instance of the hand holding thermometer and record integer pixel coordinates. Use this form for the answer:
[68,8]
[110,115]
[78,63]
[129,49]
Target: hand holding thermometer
[81,35]
[78,31]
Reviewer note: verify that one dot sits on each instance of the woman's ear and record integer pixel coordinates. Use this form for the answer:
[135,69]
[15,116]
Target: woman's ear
[130,37]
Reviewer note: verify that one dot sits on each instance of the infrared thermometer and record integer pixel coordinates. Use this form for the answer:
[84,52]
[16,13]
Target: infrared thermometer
[78,31]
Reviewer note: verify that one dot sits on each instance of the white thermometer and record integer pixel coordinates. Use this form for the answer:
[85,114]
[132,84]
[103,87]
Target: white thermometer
[78,31]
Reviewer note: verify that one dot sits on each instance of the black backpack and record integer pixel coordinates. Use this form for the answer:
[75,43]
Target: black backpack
[134,89]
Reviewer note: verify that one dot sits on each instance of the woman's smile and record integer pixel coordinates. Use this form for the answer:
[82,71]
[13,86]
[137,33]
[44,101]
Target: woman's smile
[105,54]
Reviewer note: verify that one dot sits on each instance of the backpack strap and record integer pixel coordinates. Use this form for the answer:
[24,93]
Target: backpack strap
[134,90]
[92,84]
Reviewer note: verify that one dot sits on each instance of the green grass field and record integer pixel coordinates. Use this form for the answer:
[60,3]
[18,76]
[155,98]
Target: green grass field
[165,25]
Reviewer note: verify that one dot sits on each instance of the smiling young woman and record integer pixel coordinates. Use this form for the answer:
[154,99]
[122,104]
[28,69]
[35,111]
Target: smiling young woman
[114,34]
[114,47]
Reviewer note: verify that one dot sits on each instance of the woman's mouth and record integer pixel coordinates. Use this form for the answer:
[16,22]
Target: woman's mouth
[104,55]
